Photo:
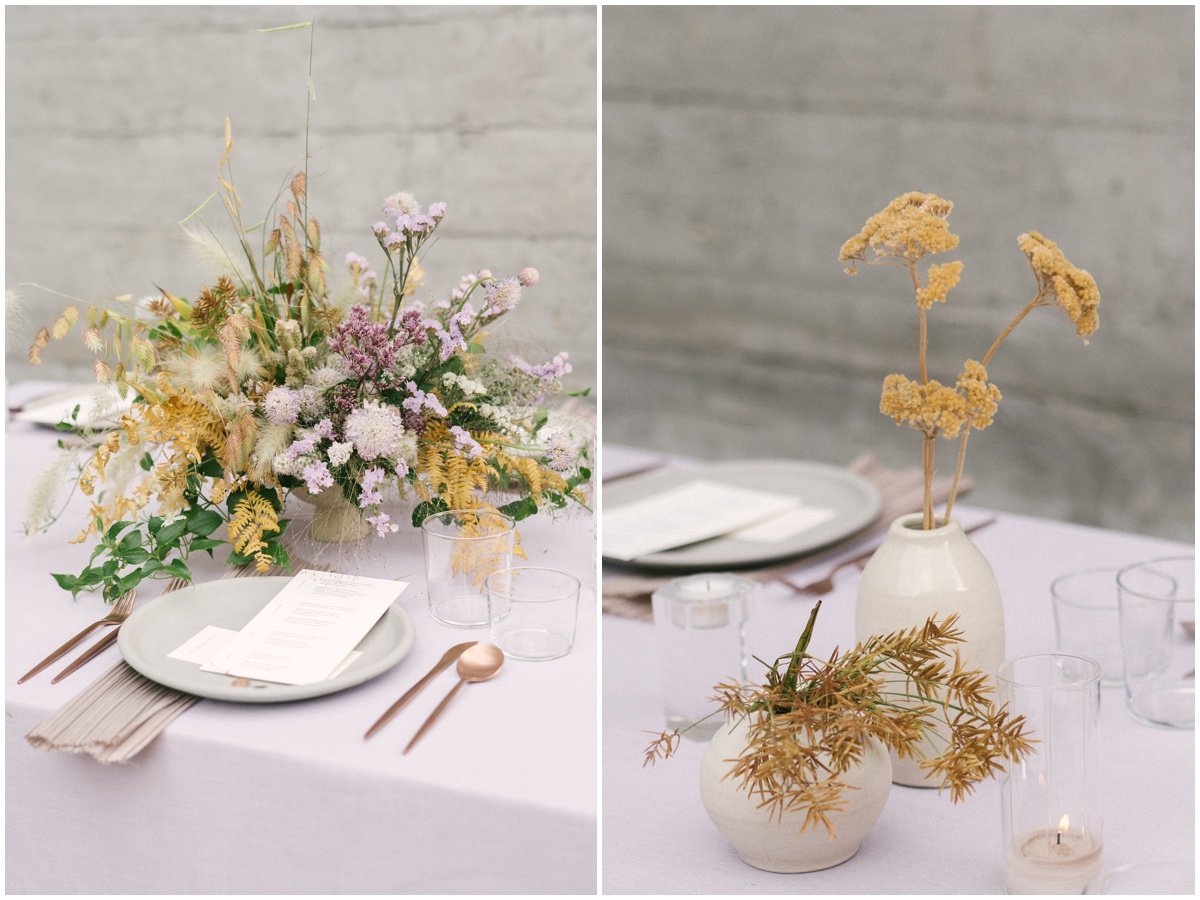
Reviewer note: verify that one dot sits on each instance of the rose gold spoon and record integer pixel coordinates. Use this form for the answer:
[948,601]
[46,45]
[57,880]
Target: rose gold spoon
[477,663]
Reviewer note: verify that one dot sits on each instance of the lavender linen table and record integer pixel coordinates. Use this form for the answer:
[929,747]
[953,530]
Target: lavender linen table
[658,839]
[499,797]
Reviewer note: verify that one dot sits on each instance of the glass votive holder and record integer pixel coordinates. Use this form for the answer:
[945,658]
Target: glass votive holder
[462,548]
[1087,621]
[1158,639]
[1051,800]
[700,633]
[533,611]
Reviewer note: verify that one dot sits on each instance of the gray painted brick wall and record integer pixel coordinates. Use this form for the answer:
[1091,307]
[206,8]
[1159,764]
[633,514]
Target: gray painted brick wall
[115,125]
[742,146]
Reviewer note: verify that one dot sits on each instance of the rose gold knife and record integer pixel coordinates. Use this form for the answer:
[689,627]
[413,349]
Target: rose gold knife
[448,659]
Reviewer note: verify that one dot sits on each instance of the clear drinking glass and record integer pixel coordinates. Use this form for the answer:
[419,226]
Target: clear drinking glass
[533,611]
[1051,800]
[1175,876]
[700,631]
[462,548]
[1158,637]
[1087,621]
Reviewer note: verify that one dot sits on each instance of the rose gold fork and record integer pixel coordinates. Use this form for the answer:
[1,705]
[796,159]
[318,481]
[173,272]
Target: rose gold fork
[118,614]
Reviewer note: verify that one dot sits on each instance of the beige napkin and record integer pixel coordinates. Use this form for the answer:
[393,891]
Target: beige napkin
[628,594]
[118,716]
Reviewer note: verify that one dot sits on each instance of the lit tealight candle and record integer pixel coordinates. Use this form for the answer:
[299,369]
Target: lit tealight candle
[1058,860]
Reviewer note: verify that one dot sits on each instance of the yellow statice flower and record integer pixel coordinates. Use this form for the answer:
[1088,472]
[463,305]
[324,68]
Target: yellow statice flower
[940,280]
[1074,288]
[931,408]
[911,226]
[980,398]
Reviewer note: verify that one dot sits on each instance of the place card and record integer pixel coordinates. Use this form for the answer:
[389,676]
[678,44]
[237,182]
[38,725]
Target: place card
[306,632]
[203,646]
[787,525]
[696,511]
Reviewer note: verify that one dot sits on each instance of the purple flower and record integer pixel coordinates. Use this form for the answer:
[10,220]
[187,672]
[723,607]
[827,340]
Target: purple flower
[502,296]
[371,480]
[317,477]
[365,346]
[547,372]
[324,429]
[437,210]
[383,524]
[301,447]
[465,443]
[420,401]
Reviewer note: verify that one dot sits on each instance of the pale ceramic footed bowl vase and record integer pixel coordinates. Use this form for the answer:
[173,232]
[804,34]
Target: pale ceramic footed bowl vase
[777,844]
[336,520]
[916,574]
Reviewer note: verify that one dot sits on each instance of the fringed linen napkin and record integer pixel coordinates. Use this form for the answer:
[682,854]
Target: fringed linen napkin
[628,595]
[120,714]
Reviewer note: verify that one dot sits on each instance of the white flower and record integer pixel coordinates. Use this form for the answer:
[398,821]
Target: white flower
[339,454]
[326,377]
[375,430]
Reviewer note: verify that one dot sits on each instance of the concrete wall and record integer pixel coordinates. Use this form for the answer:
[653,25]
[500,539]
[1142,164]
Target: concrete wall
[115,119]
[743,146]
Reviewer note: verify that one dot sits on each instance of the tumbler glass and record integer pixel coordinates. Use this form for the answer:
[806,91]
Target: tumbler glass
[462,548]
[533,611]
[1051,800]
[1087,621]
[1158,638]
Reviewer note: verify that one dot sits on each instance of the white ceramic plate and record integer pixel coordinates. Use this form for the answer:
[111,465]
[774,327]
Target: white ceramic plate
[164,623]
[856,501]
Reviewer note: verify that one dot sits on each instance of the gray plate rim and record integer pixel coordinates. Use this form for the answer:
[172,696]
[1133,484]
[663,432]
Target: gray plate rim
[154,664]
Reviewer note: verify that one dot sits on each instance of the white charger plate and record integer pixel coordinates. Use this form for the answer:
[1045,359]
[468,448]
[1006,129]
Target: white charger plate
[855,501]
[165,623]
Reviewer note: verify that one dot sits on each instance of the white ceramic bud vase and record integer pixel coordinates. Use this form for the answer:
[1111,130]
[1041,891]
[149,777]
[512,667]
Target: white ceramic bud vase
[916,574]
[777,844]
[336,520]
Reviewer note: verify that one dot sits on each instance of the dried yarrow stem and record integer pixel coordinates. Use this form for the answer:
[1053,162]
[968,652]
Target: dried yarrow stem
[909,228]
[809,721]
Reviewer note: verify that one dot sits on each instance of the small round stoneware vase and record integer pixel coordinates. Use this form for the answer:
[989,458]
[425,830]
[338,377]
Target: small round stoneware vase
[778,845]
[336,520]
[916,574]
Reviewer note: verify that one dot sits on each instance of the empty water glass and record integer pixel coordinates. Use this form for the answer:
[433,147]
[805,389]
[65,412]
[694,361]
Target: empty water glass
[533,611]
[1158,639]
[1087,621]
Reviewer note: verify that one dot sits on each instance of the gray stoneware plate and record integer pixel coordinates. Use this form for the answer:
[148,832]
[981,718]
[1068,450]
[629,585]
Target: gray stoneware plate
[164,623]
[855,499]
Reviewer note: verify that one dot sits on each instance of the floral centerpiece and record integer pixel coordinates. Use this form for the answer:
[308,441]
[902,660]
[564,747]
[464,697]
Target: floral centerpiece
[797,750]
[908,229]
[272,381]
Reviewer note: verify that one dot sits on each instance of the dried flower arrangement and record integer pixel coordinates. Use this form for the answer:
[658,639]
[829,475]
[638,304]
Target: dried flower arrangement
[272,380]
[810,718]
[909,228]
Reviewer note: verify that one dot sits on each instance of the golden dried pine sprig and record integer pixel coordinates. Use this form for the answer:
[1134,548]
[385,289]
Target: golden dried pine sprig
[810,719]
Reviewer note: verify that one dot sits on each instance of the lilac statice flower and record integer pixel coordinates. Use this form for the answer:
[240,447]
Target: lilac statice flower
[324,429]
[437,210]
[381,230]
[550,371]
[316,477]
[502,296]
[371,479]
[395,240]
[420,401]
[383,524]
[400,204]
[376,430]
[412,327]
[282,406]
[364,346]
[464,442]
[301,447]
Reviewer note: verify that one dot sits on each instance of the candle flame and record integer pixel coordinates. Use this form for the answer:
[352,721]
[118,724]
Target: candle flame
[1063,824]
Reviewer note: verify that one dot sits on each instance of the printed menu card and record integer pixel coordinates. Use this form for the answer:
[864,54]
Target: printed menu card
[308,629]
